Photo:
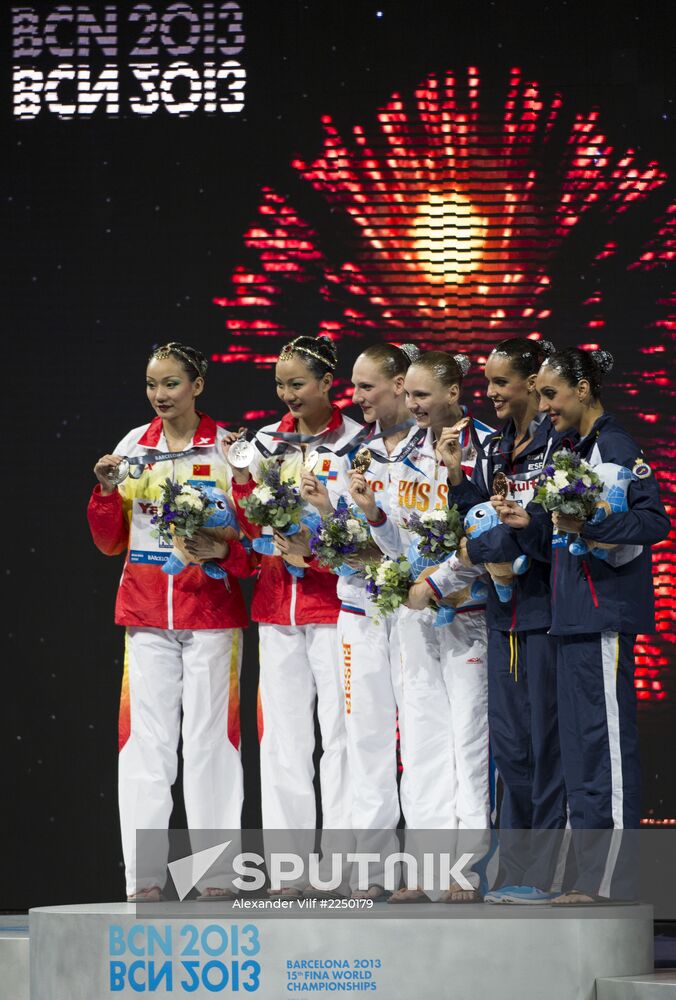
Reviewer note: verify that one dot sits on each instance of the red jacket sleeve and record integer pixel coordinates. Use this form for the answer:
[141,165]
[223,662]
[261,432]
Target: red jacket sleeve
[107,522]
[238,561]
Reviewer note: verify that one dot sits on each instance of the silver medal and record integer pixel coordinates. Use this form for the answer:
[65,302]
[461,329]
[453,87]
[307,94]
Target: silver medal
[118,473]
[311,461]
[136,471]
[241,453]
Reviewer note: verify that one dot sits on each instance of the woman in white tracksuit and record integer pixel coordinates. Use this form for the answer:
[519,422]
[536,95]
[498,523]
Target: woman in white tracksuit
[442,686]
[369,650]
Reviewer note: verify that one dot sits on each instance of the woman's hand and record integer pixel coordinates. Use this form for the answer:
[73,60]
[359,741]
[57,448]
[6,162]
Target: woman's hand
[419,596]
[314,492]
[294,548]
[511,513]
[448,451]
[207,544]
[363,496]
[241,476]
[370,554]
[102,471]
[564,522]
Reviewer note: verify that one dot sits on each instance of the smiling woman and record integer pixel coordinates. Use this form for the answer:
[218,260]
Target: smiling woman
[184,639]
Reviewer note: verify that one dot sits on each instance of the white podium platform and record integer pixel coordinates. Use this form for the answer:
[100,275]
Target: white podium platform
[654,986]
[463,952]
[14,958]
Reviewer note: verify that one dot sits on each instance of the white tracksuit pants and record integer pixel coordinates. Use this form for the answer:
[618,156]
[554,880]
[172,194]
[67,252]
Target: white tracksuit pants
[443,721]
[299,663]
[368,652]
[171,670]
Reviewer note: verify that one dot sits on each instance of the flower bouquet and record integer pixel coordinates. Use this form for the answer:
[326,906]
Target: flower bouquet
[387,584]
[274,503]
[338,536]
[438,536]
[569,485]
[183,510]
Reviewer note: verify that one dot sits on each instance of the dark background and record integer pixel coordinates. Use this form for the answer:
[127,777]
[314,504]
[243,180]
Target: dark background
[118,235]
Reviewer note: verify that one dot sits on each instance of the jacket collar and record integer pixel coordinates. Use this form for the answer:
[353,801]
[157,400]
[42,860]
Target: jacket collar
[288,421]
[204,436]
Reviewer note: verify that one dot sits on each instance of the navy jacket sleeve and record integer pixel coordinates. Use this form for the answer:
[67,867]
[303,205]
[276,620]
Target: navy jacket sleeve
[497,545]
[469,492]
[535,540]
[645,523]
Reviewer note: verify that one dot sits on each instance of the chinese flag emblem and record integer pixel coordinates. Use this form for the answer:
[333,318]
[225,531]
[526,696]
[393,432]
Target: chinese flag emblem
[201,470]
[326,465]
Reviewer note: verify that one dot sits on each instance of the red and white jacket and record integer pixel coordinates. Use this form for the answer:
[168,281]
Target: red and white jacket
[121,522]
[280,598]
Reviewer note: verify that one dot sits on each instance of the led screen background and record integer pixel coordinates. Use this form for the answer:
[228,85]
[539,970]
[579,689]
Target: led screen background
[397,172]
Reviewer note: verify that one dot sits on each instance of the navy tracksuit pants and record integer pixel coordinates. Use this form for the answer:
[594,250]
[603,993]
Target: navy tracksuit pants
[522,719]
[599,749]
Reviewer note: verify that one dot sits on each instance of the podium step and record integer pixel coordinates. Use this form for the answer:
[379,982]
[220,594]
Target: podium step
[14,962]
[434,952]
[653,986]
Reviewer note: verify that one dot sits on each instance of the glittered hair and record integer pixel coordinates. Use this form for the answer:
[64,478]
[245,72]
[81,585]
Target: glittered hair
[449,369]
[573,364]
[192,361]
[393,360]
[318,354]
[525,356]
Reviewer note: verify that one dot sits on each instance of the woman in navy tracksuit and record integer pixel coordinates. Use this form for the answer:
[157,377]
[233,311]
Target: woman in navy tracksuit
[598,607]
[521,655]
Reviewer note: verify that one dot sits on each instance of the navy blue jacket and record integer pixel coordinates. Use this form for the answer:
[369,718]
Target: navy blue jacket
[529,607]
[588,594]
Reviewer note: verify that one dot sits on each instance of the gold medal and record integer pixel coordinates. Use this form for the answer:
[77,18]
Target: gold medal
[361,460]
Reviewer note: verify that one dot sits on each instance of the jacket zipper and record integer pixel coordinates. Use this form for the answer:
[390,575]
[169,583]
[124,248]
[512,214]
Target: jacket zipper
[590,582]
[292,605]
[170,602]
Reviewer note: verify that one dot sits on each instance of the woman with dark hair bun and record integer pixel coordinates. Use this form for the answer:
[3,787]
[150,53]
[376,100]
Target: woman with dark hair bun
[183,633]
[297,614]
[598,607]
[521,654]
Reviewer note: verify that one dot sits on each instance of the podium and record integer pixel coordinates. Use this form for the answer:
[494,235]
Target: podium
[462,951]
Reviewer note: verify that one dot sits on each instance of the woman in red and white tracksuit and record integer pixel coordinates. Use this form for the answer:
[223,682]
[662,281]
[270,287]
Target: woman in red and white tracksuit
[442,701]
[297,615]
[184,632]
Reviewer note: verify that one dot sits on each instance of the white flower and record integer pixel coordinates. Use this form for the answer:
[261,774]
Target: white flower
[586,480]
[263,493]
[560,478]
[191,500]
[434,515]
[355,528]
[551,487]
[382,573]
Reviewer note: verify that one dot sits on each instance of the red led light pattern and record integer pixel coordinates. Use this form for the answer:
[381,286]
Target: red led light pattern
[462,219]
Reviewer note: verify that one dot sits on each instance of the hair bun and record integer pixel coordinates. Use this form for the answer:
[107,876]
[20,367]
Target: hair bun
[603,360]
[463,363]
[412,351]
[325,343]
[546,347]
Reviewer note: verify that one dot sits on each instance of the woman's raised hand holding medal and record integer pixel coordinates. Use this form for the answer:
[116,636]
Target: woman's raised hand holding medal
[239,454]
[110,470]
[448,451]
